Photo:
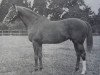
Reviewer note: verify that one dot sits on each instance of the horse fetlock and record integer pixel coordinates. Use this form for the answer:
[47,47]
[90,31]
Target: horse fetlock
[83,56]
[76,68]
[41,67]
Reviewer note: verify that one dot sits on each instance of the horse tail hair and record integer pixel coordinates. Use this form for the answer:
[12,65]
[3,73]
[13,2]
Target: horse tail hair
[89,40]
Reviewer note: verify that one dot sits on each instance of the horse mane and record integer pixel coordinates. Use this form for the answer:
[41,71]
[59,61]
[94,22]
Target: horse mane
[36,18]
[20,8]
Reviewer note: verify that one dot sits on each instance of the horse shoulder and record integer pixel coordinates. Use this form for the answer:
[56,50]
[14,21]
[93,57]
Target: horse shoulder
[34,33]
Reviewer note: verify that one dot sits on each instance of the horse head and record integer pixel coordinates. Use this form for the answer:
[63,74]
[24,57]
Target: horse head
[27,16]
[12,15]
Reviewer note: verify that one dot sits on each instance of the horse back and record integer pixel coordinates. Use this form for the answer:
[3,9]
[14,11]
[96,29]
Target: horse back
[54,32]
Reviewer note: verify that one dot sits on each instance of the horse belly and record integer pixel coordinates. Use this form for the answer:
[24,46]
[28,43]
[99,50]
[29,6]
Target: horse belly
[53,38]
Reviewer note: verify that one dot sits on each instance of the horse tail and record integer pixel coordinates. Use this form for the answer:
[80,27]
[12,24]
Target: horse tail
[89,40]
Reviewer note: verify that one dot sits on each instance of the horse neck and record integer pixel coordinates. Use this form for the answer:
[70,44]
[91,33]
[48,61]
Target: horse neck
[28,17]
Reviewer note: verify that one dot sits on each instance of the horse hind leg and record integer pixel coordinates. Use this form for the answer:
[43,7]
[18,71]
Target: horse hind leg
[83,56]
[78,56]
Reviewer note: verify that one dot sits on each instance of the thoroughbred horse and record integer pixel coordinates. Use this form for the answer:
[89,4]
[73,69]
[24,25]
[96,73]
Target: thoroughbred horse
[43,31]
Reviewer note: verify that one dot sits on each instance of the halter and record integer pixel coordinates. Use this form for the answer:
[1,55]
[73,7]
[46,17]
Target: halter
[12,14]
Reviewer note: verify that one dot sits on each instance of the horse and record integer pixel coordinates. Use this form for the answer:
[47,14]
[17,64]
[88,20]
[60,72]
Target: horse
[43,31]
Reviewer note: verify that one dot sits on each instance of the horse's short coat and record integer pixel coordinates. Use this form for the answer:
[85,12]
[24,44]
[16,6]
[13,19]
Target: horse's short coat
[43,31]
[59,31]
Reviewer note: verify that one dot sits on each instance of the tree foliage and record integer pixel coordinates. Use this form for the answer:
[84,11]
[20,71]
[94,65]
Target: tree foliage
[54,9]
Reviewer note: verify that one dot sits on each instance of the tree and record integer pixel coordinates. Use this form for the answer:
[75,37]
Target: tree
[4,9]
[52,9]
[6,4]
[57,9]
[96,22]
[79,10]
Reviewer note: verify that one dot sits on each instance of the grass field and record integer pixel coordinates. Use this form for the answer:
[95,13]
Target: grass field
[17,57]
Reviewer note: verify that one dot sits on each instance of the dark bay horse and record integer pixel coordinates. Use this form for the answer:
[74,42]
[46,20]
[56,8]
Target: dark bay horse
[43,31]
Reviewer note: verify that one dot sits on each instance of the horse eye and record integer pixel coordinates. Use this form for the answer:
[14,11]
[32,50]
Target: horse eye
[7,17]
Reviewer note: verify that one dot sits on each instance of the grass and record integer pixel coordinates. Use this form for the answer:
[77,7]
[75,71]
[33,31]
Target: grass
[17,57]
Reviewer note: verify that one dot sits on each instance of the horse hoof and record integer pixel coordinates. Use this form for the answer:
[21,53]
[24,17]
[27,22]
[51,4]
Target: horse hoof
[35,69]
[77,68]
[40,68]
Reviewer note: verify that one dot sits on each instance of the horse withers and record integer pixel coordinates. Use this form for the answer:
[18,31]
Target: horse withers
[43,31]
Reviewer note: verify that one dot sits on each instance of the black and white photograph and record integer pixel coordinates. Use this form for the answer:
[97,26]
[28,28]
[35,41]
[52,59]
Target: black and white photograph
[49,37]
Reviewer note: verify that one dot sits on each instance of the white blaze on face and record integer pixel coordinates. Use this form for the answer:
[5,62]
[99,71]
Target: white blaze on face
[84,67]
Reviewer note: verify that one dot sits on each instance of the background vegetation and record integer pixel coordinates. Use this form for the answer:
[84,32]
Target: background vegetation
[53,10]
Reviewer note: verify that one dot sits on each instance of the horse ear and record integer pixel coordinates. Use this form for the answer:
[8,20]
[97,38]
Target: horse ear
[14,6]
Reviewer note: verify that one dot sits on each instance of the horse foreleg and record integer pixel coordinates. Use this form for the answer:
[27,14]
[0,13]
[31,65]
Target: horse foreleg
[35,46]
[40,56]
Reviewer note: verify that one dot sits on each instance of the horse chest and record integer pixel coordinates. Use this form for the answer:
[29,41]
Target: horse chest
[34,35]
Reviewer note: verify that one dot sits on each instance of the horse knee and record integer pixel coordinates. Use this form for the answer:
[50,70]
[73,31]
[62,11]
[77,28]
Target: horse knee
[40,55]
[36,57]
[82,51]
[83,55]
